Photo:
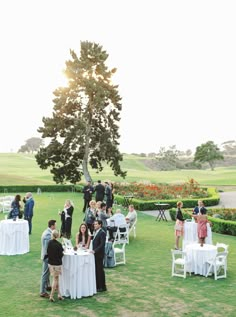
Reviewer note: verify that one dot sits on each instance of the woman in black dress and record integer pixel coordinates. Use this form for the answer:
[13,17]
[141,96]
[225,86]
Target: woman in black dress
[66,219]
[15,208]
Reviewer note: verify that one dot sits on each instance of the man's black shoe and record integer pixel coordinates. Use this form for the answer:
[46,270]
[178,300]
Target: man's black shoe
[101,290]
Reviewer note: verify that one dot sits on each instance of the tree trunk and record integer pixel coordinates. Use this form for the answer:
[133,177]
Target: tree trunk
[211,165]
[86,155]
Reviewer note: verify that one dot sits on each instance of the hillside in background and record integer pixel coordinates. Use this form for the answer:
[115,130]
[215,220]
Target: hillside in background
[18,169]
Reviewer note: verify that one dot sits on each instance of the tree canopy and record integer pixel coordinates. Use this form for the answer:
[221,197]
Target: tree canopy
[31,145]
[208,153]
[83,129]
[167,158]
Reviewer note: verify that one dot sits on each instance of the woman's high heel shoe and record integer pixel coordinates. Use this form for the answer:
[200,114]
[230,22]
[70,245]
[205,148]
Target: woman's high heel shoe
[60,298]
[51,299]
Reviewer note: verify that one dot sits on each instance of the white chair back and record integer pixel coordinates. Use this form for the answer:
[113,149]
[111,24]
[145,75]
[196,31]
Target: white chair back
[218,265]
[180,264]
[122,234]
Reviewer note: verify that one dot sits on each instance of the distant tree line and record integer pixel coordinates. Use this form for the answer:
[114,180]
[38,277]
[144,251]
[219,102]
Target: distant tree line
[207,153]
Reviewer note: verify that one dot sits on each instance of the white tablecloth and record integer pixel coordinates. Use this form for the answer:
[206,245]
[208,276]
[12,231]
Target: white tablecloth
[191,236]
[78,275]
[14,237]
[198,256]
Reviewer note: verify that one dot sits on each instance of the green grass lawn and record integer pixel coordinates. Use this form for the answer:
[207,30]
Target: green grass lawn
[143,287]
[22,169]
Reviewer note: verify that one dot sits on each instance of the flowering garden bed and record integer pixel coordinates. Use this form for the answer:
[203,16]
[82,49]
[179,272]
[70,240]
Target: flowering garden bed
[147,191]
[145,195]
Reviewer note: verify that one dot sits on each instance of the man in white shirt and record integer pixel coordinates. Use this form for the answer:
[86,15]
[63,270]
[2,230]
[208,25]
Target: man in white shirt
[118,219]
[131,216]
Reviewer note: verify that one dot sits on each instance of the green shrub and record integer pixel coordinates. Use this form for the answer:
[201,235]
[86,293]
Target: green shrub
[34,188]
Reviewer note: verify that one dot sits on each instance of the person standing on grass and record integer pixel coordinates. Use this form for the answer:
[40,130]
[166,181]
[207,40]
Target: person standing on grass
[29,210]
[15,208]
[179,225]
[99,242]
[103,216]
[66,219]
[55,255]
[200,208]
[108,195]
[88,192]
[201,227]
[45,238]
[100,191]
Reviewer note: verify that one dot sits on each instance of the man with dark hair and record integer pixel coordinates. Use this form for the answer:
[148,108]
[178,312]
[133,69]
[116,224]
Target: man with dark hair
[99,242]
[88,192]
[100,191]
[46,237]
[200,208]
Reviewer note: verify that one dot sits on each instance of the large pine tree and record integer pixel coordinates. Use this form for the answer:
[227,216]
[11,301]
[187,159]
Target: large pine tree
[83,128]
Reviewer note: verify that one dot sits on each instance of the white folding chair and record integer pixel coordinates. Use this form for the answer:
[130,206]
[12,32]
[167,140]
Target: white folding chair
[222,246]
[122,234]
[119,253]
[6,206]
[218,264]
[133,228]
[180,265]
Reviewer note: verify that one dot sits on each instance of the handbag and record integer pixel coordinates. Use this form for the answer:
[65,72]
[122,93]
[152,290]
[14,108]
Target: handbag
[178,227]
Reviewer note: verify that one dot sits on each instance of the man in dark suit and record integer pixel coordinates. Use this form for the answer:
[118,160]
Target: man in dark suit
[108,195]
[99,242]
[100,191]
[200,208]
[88,192]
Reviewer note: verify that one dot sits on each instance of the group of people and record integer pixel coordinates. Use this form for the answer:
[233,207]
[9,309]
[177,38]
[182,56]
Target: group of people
[199,215]
[99,211]
[91,235]
[18,211]
[104,192]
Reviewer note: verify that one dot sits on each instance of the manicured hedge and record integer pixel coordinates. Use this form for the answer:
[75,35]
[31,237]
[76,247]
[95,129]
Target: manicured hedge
[34,188]
[212,200]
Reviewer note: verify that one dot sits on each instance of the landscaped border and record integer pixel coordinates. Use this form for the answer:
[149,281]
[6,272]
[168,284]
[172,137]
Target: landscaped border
[142,205]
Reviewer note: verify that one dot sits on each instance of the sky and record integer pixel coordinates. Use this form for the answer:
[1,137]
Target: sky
[175,60]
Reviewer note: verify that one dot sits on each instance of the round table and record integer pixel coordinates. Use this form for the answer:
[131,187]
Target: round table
[14,237]
[78,274]
[198,256]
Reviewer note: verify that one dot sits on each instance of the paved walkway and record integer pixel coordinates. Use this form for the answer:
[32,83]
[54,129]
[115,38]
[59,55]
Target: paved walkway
[227,200]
